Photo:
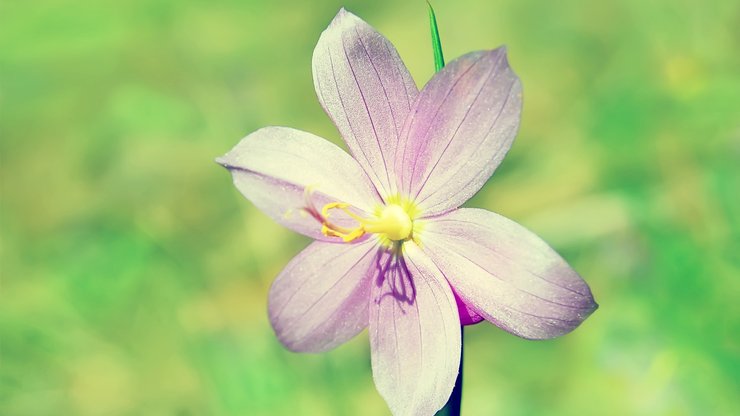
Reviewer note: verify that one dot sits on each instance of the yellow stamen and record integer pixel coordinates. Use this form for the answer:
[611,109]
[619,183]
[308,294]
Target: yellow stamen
[393,223]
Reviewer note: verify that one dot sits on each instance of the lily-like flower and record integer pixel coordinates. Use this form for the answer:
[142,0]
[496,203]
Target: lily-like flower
[394,251]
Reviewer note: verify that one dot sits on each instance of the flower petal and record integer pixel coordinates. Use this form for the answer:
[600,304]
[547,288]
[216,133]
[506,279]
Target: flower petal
[414,335]
[366,90]
[319,300]
[507,274]
[463,124]
[285,171]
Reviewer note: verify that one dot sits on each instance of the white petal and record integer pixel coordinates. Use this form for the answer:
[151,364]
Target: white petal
[459,131]
[319,300]
[414,335]
[274,166]
[507,274]
[367,91]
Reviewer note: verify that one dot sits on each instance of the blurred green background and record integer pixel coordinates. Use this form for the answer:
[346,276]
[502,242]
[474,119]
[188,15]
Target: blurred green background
[134,276]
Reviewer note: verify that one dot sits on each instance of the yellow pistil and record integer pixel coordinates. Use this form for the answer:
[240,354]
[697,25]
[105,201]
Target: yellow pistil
[392,223]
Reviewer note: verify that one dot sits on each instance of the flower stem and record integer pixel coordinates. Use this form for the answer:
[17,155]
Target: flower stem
[452,408]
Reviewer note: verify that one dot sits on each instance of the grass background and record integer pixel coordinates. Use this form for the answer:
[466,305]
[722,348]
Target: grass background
[134,276]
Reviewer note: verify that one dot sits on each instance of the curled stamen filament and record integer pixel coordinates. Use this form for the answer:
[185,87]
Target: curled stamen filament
[333,230]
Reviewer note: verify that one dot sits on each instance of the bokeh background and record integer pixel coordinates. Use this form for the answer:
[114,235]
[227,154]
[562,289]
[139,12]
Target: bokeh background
[134,276]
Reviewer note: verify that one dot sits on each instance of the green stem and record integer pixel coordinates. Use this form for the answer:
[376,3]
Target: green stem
[439,59]
[452,408]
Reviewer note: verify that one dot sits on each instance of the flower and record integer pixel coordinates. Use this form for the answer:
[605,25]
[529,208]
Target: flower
[394,251]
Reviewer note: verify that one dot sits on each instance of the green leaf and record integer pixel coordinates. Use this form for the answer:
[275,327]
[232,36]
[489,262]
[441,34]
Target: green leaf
[439,59]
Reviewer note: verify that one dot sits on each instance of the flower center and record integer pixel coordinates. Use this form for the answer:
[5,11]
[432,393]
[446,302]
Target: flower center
[392,222]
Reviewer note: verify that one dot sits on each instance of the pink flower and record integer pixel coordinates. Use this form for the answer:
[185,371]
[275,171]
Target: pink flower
[394,251]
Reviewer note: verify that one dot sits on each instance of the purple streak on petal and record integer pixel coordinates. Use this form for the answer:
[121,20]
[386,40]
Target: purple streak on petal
[319,300]
[393,272]
[273,166]
[507,274]
[415,347]
[461,127]
[366,90]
